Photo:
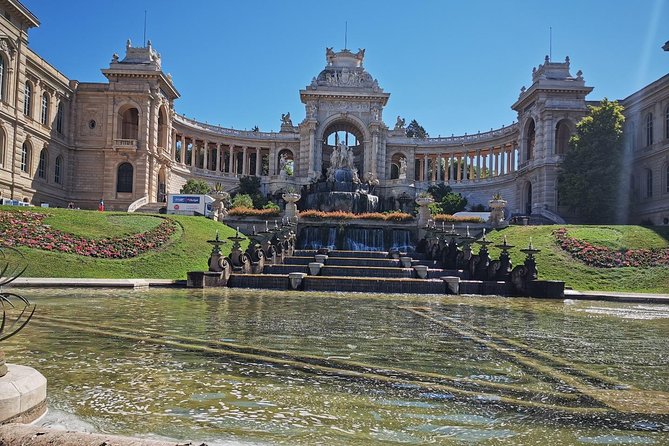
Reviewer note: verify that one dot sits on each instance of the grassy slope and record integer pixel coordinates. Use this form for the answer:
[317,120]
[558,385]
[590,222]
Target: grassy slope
[553,263]
[187,251]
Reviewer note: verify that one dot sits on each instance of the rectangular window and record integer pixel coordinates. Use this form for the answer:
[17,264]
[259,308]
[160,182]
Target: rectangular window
[59,118]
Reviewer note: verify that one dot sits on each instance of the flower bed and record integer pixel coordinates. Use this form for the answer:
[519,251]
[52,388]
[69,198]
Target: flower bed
[341,215]
[448,218]
[249,212]
[28,229]
[602,257]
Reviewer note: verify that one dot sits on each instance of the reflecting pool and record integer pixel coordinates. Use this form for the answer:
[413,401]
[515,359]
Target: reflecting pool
[264,367]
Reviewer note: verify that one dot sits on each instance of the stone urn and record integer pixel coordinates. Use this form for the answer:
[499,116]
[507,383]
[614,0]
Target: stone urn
[496,218]
[217,206]
[291,199]
[424,214]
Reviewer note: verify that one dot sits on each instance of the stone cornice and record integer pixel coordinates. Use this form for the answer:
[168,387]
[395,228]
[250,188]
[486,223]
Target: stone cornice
[245,136]
[306,95]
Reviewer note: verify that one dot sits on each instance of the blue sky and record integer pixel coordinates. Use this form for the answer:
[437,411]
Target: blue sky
[456,67]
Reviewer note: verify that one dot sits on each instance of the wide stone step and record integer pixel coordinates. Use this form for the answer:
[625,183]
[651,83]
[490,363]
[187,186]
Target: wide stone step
[359,254]
[340,284]
[350,261]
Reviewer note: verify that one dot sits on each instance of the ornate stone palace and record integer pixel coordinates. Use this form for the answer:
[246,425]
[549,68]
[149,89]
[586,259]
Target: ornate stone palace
[122,141]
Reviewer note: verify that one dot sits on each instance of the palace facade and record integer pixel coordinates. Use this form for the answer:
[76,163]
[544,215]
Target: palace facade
[122,141]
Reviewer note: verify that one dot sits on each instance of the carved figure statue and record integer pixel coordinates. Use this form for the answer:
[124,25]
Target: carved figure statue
[399,124]
[283,160]
[360,54]
[285,119]
[329,55]
[403,167]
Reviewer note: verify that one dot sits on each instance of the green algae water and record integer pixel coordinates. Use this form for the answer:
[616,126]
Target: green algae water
[258,367]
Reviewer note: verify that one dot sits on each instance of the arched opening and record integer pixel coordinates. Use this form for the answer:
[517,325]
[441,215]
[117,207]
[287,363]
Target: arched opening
[58,170]
[124,176]
[342,134]
[649,129]
[162,127]
[286,163]
[177,150]
[162,186]
[528,199]
[42,165]
[129,120]
[2,147]
[562,134]
[44,116]
[398,167]
[60,116]
[26,152]
[27,98]
[2,77]
[530,136]
[188,154]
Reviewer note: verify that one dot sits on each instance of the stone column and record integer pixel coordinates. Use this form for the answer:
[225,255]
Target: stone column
[245,154]
[465,167]
[182,140]
[205,160]
[231,164]
[471,167]
[272,160]
[193,152]
[218,158]
[458,168]
[484,163]
[478,164]
[451,167]
[425,168]
[258,162]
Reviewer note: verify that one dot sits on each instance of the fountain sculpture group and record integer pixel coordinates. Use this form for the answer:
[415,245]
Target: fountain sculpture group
[454,252]
[267,247]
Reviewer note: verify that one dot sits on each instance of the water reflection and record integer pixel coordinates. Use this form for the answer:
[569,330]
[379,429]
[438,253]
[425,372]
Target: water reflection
[252,366]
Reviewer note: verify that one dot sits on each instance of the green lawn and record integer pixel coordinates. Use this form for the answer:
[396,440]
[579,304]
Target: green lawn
[187,250]
[553,263]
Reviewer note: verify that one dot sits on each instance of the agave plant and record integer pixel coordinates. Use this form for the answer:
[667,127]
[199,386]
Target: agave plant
[16,310]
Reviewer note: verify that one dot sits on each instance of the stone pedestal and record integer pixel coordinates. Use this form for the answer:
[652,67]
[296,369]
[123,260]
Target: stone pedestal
[22,395]
[424,214]
[291,207]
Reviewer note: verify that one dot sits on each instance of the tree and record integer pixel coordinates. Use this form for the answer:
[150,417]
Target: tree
[250,185]
[446,201]
[590,177]
[197,187]
[415,130]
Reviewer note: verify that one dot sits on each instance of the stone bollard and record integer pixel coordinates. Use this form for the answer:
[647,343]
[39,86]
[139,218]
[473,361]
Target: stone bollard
[452,284]
[406,262]
[315,268]
[320,258]
[421,271]
[296,280]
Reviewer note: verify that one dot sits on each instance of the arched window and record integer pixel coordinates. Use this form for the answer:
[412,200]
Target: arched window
[129,119]
[59,117]
[25,157]
[162,128]
[2,78]
[562,135]
[41,166]
[177,150]
[58,170]
[530,140]
[286,163]
[649,183]
[44,118]
[2,148]
[27,98]
[666,123]
[649,129]
[124,178]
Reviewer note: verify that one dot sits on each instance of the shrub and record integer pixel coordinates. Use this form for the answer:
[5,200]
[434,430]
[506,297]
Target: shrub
[250,212]
[448,218]
[242,201]
[197,187]
[341,215]
[272,205]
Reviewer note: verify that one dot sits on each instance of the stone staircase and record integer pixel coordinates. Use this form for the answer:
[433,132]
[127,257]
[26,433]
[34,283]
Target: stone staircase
[350,271]
[151,208]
